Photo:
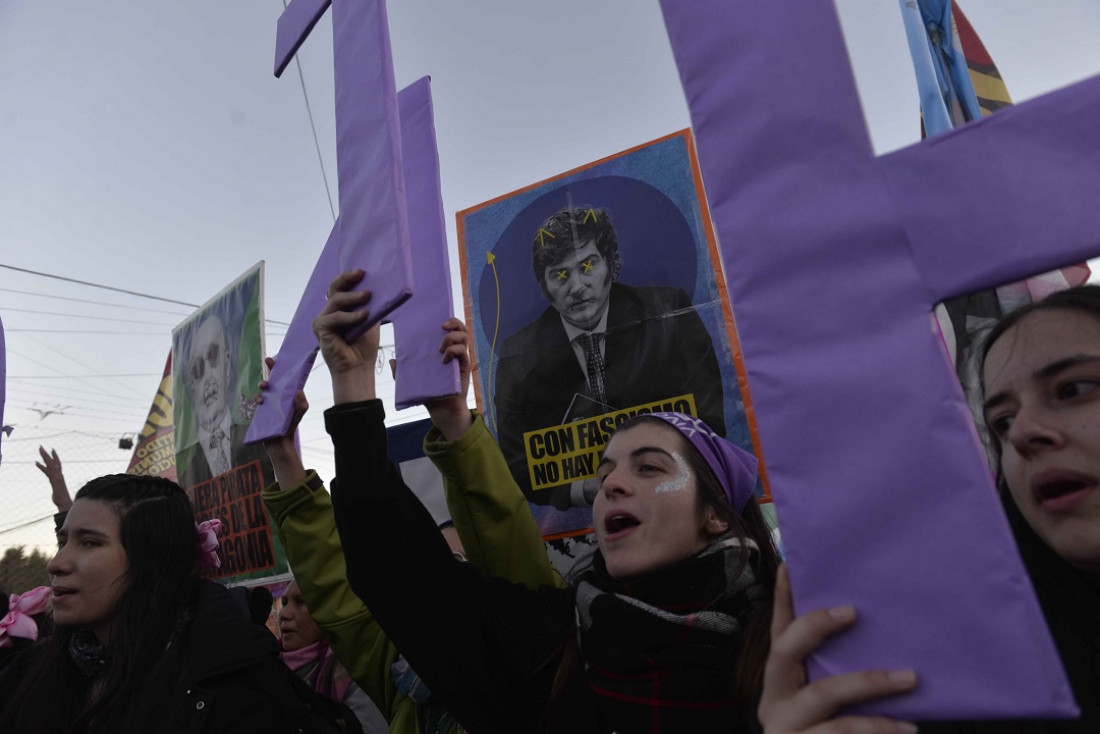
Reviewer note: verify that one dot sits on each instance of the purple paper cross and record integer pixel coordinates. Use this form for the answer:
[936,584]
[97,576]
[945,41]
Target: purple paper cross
[835,259]
[373,231]
[373,225]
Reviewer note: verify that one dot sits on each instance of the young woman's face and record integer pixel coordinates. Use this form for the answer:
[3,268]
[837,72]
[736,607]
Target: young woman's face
[88,573]
[295,623]
[648,513]
[1042,387]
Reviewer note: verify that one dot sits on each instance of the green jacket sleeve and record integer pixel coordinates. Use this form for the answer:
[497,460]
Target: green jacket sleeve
[303,519]
[489,511]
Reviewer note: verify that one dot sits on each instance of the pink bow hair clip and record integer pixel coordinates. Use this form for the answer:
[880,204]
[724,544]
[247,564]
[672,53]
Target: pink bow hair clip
[208,544]
[19,622]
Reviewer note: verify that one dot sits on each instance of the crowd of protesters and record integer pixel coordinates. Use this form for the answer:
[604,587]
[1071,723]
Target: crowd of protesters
[680,621]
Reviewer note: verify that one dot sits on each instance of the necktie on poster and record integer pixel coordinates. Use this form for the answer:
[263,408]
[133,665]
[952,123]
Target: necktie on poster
[594,361]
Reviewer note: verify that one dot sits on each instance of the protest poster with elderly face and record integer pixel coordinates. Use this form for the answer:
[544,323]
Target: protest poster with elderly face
[217,361]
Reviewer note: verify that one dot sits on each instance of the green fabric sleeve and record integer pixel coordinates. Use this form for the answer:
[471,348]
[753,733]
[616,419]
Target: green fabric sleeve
[303,519]
[489,511]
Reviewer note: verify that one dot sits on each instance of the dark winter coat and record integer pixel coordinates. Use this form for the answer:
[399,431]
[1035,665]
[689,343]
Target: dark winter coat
[219,674]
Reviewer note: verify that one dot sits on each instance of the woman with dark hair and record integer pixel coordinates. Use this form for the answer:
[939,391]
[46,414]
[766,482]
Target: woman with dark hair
[1041,392]
[141,642]
[665,632]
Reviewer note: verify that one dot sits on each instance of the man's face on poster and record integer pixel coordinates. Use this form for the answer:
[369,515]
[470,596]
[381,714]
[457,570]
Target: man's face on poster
[579,285]
[208,373]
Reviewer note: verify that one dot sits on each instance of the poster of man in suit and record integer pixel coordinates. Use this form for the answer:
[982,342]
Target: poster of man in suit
[592,297]
[217,358]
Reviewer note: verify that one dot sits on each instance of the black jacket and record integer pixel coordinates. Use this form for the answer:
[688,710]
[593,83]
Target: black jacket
[219,674]
[231,678]
[488,650]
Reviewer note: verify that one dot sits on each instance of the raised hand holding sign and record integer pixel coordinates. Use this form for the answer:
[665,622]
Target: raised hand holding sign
[388,165]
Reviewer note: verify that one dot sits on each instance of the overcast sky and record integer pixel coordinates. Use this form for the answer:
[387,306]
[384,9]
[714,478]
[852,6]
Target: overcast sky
[147,146]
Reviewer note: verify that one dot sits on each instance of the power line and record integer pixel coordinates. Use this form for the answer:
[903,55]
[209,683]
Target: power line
[130,422]
[83,331]
[82,316]
[75,461]
[99,285]
[8,440]
[124,290]
[84,365]
[19,400]
[35,398]
[68,377]
[26,524]
[85,300]
[99,390]
[79,411]
[65,392]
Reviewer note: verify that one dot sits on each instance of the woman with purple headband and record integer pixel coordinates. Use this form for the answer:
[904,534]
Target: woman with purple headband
[667,630]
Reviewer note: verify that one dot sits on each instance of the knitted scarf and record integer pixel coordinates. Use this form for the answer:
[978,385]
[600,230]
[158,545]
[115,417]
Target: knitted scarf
[660,651]
[88,654]
[317,665]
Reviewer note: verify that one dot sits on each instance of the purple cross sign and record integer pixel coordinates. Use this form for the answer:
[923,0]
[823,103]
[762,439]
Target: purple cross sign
[835,259]
[373,231]
[373,225]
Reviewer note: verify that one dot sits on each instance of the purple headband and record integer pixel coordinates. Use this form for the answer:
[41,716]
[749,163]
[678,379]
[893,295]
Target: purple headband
[734,467]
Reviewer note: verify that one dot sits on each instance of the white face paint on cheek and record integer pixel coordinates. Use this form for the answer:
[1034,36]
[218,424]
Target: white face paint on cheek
[679,481]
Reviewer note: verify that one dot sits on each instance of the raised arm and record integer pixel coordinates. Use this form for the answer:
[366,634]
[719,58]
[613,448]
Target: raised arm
[302,513]
[285,461]
[456,627]
[489,511]
[51,467]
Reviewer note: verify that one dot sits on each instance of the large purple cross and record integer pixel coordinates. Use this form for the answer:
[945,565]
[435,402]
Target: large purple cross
[387,163]
[373,227]
[835,259]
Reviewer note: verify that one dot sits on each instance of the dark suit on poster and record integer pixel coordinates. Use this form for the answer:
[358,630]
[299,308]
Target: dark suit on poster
[657,347]
[197,470]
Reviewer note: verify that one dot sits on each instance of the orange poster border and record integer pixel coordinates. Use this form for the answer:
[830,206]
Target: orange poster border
[715,258]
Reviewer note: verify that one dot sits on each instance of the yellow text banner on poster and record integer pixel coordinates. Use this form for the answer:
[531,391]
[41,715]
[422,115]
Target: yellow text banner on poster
[567,453]
[155,457]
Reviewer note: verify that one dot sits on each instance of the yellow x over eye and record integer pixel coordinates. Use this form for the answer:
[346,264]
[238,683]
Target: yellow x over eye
[587,266]
[561,275]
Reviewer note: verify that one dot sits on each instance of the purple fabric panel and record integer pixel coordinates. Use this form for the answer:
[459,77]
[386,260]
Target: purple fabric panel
[298,351]
[3,381]
[421,375]
[295,25]
[416,325]
[1047,150]
[374,231]
[884,499]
